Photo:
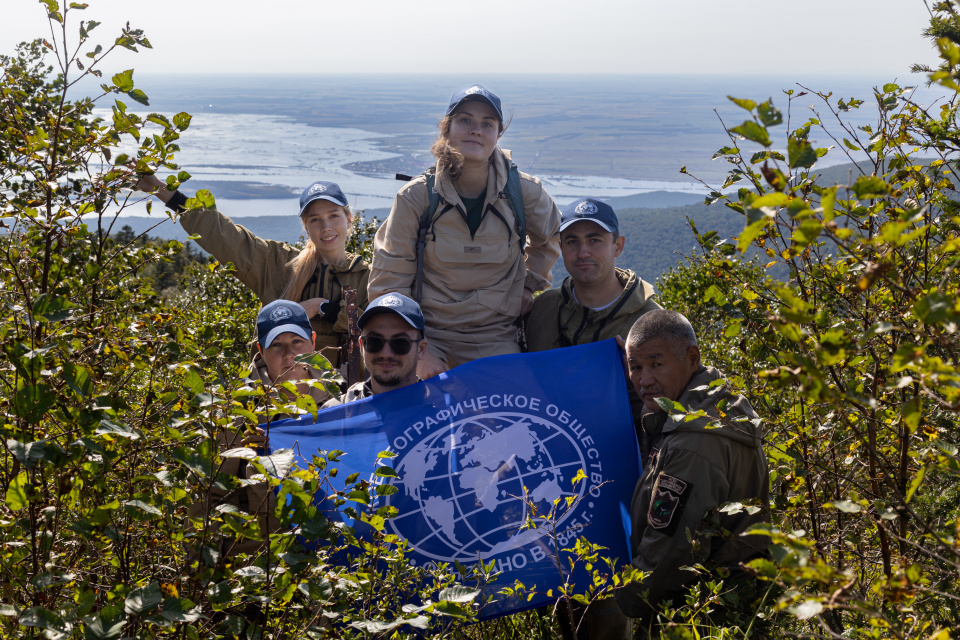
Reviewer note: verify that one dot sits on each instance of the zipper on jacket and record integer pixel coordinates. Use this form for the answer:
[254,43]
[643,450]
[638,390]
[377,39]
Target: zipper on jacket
[583,325]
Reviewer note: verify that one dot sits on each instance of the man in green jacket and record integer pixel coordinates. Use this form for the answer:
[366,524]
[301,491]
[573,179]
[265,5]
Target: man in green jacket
[598,301]
[691,468]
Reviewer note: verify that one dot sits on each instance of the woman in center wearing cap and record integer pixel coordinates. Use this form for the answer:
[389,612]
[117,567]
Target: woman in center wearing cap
[478,274]
[313,276]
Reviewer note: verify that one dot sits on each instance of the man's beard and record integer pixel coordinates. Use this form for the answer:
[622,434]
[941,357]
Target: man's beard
[391,379]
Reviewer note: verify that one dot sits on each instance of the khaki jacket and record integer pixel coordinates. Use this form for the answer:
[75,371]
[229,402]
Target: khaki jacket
[262,266]
[255,498]
[690,469]
[472,286]
[558,320]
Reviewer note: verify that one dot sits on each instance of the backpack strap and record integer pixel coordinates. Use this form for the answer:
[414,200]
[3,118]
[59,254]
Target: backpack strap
[425,219]
[515,199]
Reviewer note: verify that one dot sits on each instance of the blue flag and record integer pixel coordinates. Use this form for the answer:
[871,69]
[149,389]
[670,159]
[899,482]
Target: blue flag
[477,446]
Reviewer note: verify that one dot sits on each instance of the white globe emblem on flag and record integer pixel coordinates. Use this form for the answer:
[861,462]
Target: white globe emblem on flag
[461,487]
[586,209]
[391,301]
[280,313]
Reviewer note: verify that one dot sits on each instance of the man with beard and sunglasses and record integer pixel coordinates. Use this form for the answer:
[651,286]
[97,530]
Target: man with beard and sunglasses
[392,343]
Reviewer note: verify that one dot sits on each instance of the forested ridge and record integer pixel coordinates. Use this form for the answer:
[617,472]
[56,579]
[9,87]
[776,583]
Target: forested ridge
[123,359]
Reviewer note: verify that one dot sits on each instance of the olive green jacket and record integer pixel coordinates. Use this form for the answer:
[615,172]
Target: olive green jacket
[262,266]
[558,320]
[691,469]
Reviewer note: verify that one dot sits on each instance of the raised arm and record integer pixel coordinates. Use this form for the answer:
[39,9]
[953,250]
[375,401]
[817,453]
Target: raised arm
[261,264]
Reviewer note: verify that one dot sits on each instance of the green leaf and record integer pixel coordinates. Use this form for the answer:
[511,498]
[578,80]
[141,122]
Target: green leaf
[386,490]
[98,628]
[912,411]
[51,308]
[753,131]
[769,115]
[142,510]
[32,453]
[458,593]
[143,600]
[47,620]
[33,400]
[182,120]
[844,505]
[124,80]
[111,428]
[935,308]
[775,199]
[193,381]
[17,492]
[385,472]
[78,378]
[316,361]
[870,187]
[806,233]
[915,483]
[749,105]
[801,153]
[139,96]
[752,232]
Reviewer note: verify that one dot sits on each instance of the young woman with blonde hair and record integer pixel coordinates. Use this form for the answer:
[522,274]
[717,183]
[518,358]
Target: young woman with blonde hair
[480,261]
[313,276]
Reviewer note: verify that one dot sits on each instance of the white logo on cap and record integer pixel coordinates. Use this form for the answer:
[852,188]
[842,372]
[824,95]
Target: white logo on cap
[586,208]
[475,90]
[318,188]
[391,301]
[280,313]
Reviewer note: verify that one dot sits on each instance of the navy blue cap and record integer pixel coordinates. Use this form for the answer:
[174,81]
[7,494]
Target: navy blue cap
[282,316]
[396,303]
[476,92]
[321,190]
[590,209]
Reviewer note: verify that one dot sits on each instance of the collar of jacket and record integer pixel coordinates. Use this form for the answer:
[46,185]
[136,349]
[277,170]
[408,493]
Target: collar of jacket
[635,290]
[496,179]
[351,262]
[699,396]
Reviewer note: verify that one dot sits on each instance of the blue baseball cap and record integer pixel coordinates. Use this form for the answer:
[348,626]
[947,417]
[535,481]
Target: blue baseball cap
[476,92]
[282,316]
[396,303]
[321,190]
[593,210]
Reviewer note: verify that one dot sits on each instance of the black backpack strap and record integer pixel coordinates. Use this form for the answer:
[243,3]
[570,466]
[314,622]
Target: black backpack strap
[425,219]
[515,198]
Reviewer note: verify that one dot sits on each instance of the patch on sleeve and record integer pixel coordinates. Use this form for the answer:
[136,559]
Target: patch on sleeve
[667,501]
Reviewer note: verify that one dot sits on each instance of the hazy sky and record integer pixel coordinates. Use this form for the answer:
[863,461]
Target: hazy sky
[498,36]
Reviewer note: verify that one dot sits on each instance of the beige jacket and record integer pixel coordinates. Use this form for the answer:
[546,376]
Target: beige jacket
[262,266]
[691,469]
[254,498]
[472,286]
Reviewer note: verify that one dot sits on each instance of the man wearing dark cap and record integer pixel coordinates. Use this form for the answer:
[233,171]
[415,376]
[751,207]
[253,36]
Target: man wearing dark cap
[598,300]
[392,343]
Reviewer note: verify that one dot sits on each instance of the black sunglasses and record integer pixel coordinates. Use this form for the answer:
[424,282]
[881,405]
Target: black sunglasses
[399,346]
